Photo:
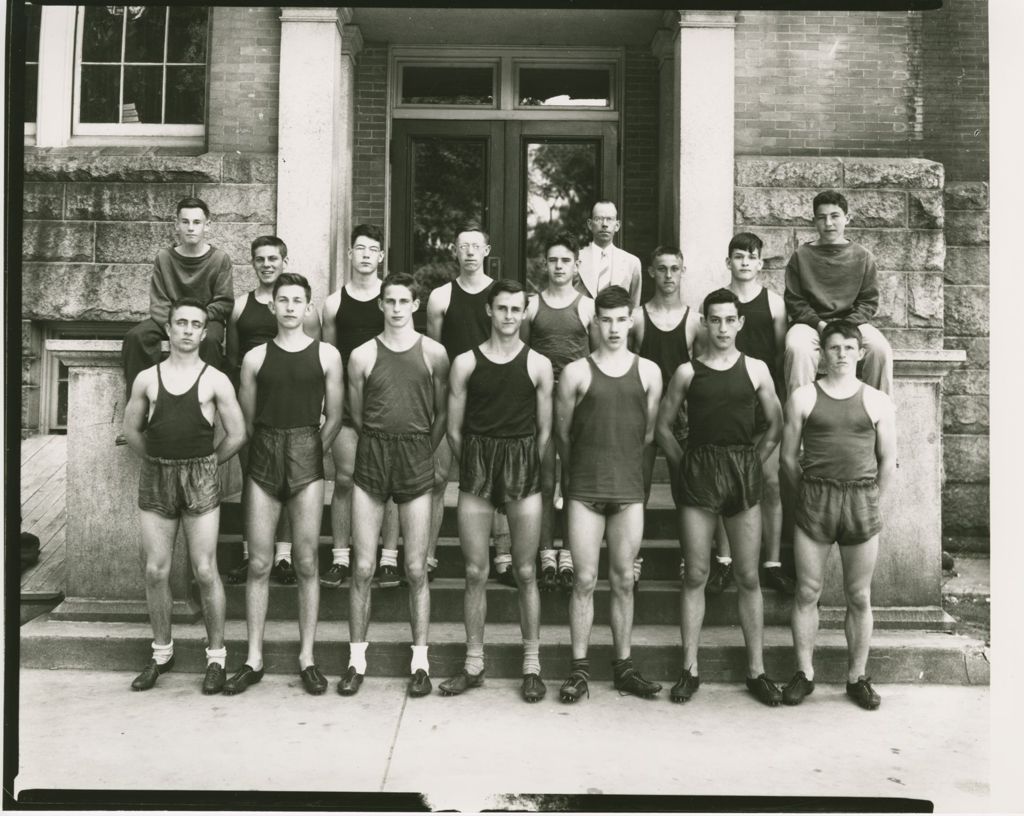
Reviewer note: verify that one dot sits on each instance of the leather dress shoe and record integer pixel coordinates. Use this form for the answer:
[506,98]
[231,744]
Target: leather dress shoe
[350,682]
[313,680]
[419,684]
[533,688]
[146,680]
[213,682]
[242,679]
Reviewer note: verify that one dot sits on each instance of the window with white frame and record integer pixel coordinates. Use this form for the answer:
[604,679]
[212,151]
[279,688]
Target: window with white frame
[140,70]
[33,16]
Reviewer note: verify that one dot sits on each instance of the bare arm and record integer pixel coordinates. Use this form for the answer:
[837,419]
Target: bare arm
[135,414]
[797,410]
[231,418]
[360,363]
[251,364]
[636,331]
[437,305]
[311,324]
[650,375]
[569,386]
[885,443]
[531,312]
[232,333]
[328,327]
[674,397]
[765,388]
[330,359]
[461,370]
[779,326]
[544,380]
[438,363]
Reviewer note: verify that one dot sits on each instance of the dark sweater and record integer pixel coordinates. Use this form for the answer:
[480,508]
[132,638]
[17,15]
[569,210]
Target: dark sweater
[831,281]
[206,278]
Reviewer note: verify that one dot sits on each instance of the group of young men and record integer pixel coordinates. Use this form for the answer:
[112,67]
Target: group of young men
[501,383]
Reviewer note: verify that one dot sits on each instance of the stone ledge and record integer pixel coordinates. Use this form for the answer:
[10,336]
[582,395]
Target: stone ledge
[94,353]
[150,165]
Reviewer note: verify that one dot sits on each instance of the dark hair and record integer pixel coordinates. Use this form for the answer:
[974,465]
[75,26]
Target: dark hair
[504,285]
[746,242]
[472,226]
[845,328]
[270,241]
[612,297]
[720,296]
[293,279]
[192,203]
[830,197]
[399,279]
[666,249]
[562,239]
[371,231]
[182,302]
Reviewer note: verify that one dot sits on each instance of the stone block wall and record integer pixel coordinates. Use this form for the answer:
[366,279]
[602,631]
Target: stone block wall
[898,213]
[95,218]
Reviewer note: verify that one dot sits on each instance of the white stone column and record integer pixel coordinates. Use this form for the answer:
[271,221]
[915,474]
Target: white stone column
[309,141]
[703,77]
[351,45]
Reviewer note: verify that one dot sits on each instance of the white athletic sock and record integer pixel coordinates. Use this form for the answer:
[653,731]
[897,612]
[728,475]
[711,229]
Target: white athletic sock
[389,558]
[340,555]
[283,551]
[162,653]
[218,656]
[531,657]
[474,658]
[245,548]
[502,561]
[723,559]
[357,656]
[638,564]
[548,558]
[419,660]
[564,558]
[770,564]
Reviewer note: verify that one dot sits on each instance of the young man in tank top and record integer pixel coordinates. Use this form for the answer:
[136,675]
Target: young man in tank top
[664,331]
[763,336]
[457,319]
[720,474]
[168,422]
[397,392]
[848,433]
[558,324]
[499,423]
[604,417]
[285,384]
[351,316]
[252,324]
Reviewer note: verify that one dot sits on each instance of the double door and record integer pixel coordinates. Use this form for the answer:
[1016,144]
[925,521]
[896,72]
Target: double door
[524,181]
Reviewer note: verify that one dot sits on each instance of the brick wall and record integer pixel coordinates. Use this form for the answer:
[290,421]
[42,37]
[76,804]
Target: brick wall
[640,156]
[245,49]
[370,148]
[827,82]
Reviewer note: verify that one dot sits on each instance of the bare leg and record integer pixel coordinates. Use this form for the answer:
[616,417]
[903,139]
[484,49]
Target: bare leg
[624,531]
[390,530]
[201,533]
[343,450]
[158,534]
[524,524]
[744,531]
[771,510]
[858,568]
[547,489]
[414,516]
[586,529]
[474,530]
[698,528]
[442,464]
[305,509]
[261,515]
[367,515]
[811,558]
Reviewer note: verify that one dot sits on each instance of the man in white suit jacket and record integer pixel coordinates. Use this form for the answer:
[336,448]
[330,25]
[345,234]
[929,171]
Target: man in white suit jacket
[601,262]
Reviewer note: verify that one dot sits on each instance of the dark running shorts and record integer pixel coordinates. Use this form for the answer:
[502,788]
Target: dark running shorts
[845,512]
[725,479]
[400,466]
[605,508]
[171,487]
[499,469]
[282,461]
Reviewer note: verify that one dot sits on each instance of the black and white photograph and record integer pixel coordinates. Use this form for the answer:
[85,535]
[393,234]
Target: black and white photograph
[570,407]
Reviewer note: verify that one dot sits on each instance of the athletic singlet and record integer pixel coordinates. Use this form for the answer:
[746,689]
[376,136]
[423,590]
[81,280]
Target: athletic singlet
[256,325]
[666,348]
[355,322]
[839,439]
[501,399]
[559,334]
[607,437]
[290,387]
[757,337]
[720,405]
[178,429]
[466,324]
[398,396]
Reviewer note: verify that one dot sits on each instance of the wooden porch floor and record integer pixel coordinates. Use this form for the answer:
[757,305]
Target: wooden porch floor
[44,513]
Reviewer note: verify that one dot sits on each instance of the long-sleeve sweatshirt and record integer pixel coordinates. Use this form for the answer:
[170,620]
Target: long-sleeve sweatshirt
[206,278]
[831,281]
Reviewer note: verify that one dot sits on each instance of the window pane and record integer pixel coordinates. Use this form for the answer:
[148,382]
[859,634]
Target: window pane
[186,96]
[423,85]
[565,86]
[31,85]
[561,182]
[100,93]
[186,36]
[144,40]
[32,17]
[101,38]
[62,396]
[143,93]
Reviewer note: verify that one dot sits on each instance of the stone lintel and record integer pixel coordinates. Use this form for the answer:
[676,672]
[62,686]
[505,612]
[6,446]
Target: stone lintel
[926,363]
[87,353]
[316,14]
[707,19]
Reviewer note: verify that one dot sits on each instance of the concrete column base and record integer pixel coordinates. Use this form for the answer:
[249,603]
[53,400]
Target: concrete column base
[184,611]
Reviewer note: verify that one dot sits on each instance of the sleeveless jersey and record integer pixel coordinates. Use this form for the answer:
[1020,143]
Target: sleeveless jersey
[721,405]
[666,348]
[290,387]
[178,429]
[501,399]
[355,322]
[466,324]
[607,437]
[839,439]
[757,337]
[559,334]
[255,325]
[398,396]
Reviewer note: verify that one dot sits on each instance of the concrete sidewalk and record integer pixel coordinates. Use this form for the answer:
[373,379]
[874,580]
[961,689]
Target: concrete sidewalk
[86,729]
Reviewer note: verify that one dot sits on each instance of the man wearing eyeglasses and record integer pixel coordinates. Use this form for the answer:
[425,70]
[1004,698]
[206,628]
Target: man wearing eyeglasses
[602,264]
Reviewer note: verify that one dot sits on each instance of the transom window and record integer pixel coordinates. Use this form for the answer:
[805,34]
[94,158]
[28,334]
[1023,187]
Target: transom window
[33,15]
[141,69]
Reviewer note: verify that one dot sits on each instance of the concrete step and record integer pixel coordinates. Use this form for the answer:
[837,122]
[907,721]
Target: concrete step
[896,657]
